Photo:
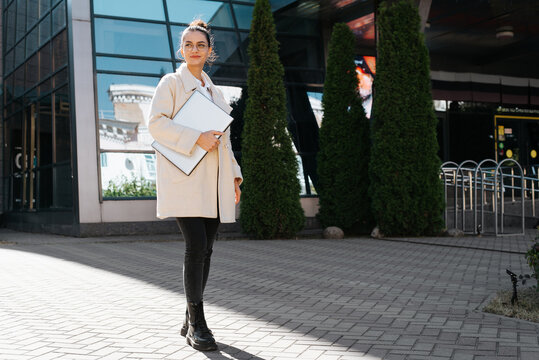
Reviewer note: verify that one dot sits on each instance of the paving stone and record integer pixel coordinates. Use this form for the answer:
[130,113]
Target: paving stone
[70,298]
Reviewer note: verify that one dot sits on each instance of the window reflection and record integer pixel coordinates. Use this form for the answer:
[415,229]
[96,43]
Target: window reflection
[139,9]
[215,13]
[133,65]
[121,37]
[124,104]
[244,15]
[127,174]
[227,46]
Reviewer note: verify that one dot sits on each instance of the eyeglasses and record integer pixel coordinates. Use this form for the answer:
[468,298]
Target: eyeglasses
[200,46]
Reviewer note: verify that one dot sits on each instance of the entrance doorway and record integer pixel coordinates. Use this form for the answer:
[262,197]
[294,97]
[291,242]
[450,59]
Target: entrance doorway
[517,138]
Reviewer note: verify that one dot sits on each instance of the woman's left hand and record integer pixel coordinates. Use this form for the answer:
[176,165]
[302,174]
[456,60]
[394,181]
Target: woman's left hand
[237,188]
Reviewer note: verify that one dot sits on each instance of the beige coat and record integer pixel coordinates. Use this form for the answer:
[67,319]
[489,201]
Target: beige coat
[179,195]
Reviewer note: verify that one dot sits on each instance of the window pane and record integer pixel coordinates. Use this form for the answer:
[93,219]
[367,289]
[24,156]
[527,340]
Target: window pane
[32,41]
[213,12]
[20,52]
[237,73]
[60,78]
[19,81]
[227,46]
[244,14]
[14,158]
[176,32]
[125,174]
[132,65]
[10,58]
[10,26]
[44,188]
[45,87]
[44,114]
[32,14]
[131,38]
[8,89]
[62,136]
[58,18]
[139,9]
[59,50]
[300,52]
[45,63]
[44,30]
[63,187]
[44,6]
[32,72]
[123,104]
[21,18]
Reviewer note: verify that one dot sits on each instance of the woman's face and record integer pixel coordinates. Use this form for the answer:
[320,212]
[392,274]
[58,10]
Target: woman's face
[195,48]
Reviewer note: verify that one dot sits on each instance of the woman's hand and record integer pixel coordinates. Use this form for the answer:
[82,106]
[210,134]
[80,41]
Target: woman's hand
[208,141]
[237,188]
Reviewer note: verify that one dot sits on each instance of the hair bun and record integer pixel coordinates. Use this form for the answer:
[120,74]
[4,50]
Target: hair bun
[200,23]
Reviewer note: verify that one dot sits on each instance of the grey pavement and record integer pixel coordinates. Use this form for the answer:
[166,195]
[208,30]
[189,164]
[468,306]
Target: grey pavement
[358,298]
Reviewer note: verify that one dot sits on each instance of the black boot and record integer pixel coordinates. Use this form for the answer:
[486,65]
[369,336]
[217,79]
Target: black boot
[205,275]
[198,335]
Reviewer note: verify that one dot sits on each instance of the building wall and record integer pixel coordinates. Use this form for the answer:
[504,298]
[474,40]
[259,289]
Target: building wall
[83,80]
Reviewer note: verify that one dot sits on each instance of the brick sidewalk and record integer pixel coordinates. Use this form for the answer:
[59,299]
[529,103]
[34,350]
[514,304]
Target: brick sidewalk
[122,298]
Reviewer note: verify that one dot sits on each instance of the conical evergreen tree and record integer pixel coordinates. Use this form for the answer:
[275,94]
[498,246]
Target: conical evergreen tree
[343,158]
[406,190]
[270,205]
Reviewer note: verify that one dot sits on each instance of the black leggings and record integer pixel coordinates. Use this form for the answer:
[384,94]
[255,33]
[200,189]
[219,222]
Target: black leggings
[199,235]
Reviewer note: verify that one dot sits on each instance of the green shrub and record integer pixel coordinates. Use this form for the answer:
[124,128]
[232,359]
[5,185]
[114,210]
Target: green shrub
[343,158]
[407,195]
[133,187]
[532,257]
[270,205]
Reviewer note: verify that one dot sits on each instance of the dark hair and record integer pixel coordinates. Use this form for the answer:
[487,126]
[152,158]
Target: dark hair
[199,25]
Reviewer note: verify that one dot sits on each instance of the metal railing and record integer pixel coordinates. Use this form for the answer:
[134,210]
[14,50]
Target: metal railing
[492,180]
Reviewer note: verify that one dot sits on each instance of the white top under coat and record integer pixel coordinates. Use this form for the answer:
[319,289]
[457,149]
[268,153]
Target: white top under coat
[205,90]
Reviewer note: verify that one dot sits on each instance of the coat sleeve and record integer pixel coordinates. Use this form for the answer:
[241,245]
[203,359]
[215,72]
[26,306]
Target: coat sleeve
[177,137]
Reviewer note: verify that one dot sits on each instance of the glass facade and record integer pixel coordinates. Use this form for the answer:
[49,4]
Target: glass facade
[37,158]
[136,43]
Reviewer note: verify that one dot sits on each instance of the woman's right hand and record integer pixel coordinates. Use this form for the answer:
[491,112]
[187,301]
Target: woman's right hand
[208,141]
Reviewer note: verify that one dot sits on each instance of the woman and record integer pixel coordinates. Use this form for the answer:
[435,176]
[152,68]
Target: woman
[202,200]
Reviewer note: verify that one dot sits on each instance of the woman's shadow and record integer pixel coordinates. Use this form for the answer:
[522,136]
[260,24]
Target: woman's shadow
[229,352]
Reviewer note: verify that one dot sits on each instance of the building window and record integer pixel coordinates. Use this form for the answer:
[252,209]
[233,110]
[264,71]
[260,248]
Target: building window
[135,44]
[37,122]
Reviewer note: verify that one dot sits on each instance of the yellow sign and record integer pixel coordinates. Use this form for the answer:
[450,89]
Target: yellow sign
[509,153]
[501,133]
[533,154]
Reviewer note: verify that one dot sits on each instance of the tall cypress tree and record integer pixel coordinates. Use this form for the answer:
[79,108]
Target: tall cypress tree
[406,190]
[270,205]
[343,158]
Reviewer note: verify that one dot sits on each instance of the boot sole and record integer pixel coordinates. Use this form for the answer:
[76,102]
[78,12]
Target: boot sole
[200,347]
